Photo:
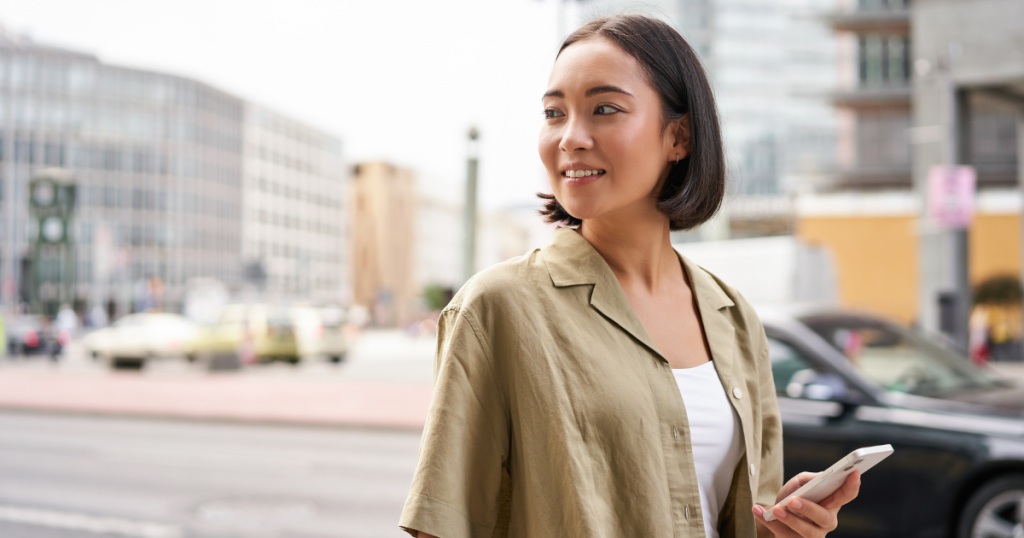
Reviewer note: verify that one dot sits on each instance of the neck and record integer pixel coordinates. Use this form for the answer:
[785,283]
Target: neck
[638,250]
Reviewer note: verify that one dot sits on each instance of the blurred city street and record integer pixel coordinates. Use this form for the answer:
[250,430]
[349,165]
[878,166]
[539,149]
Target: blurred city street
[225,253]
[72,476]
[384,382]
[70,471]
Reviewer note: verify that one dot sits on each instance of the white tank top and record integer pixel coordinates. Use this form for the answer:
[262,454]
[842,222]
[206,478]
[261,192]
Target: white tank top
[715,437]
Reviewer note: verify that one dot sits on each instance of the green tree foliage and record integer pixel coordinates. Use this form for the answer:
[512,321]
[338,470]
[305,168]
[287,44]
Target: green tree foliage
[999,290]
[437,296]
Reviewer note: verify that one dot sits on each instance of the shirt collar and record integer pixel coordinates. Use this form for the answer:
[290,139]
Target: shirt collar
[572,261]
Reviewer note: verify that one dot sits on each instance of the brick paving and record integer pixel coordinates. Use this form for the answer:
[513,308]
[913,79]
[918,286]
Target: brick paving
[385,384]
[223,397]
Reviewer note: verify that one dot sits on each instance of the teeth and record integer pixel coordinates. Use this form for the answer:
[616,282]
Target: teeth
[582,173]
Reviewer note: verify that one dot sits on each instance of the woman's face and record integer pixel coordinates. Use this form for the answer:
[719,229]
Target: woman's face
[603,142]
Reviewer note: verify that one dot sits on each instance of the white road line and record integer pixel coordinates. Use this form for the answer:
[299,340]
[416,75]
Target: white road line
[87,523]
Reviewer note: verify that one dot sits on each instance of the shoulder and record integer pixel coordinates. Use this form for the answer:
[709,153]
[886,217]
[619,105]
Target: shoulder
[491,287]
[502,289]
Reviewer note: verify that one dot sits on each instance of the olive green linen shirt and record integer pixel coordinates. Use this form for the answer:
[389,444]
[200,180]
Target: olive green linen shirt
[554,414]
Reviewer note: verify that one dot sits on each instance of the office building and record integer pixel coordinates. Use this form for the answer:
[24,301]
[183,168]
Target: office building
[922,84]
[295,237]
[163,165]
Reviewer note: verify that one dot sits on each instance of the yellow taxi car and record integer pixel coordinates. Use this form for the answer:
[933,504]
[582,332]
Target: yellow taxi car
[247,333]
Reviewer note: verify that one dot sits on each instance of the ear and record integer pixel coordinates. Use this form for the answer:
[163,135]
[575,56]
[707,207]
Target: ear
[679,129]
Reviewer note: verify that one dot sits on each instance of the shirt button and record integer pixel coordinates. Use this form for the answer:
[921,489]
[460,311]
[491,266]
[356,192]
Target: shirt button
[686,511]
[675,432]
[752,469]
[737,393]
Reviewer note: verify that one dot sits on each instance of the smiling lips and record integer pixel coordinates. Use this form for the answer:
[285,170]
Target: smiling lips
[577,178]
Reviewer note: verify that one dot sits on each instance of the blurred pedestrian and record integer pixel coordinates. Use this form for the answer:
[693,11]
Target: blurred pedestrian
[98,317]
[605,385]
[66,322]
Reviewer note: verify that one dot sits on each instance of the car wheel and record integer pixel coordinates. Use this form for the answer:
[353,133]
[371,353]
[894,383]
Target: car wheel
[220,362]
[127,364]
[995,510]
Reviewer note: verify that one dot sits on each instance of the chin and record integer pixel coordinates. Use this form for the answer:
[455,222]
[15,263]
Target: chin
[581,211]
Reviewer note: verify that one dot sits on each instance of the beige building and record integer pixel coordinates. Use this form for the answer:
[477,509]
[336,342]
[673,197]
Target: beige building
[383,208]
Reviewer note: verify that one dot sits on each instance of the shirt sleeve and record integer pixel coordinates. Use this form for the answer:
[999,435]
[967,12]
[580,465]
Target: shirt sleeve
[771,429]
[455,491]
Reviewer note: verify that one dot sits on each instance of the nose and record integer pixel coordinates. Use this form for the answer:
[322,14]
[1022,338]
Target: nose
[576,136]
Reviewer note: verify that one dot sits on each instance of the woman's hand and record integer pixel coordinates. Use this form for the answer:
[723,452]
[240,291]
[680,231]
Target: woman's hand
[801,518]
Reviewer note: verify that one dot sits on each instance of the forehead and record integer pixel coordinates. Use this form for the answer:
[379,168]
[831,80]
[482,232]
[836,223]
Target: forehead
[596,61]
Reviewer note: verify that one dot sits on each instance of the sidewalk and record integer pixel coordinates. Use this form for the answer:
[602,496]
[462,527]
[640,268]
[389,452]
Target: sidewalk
[386,383]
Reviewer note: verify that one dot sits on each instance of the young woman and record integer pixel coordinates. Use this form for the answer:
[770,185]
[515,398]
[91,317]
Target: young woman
[605,385]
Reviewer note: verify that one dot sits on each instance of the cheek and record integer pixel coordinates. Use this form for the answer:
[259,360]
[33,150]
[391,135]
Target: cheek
[635,152]
[547,147]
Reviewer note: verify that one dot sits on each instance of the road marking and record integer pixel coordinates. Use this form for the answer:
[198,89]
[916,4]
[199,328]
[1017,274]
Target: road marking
[87,523]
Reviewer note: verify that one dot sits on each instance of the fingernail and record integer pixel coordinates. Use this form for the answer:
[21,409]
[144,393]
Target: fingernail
[795,503]
[758,510]
[780,512]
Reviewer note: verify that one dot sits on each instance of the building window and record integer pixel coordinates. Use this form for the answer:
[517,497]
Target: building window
[54,155]
[883,60]
[882,140]
[870,5]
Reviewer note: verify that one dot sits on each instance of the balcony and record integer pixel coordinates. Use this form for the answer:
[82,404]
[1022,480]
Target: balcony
[874,16]
[875,22]
[895,96]
[876,177]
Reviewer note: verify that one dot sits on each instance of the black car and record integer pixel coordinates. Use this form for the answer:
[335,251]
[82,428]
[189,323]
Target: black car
[849,380]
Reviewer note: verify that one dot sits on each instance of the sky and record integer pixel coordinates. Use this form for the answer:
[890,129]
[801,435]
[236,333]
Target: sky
[401,80]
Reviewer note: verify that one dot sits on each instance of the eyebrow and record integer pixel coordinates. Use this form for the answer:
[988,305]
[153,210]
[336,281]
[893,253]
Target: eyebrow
[590,93]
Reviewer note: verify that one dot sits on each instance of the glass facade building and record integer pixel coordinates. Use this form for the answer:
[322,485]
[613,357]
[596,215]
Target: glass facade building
[160,163]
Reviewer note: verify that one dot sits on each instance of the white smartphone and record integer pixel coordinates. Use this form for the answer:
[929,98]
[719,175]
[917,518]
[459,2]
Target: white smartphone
[831,479]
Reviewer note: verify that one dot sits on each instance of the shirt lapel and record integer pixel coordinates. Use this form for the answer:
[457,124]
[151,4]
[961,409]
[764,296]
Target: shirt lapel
[572,261]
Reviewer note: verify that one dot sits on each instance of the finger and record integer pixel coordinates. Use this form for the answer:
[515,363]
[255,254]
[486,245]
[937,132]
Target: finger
[779,529]
[794,484]
[813,512]
[845,494]
[797,524]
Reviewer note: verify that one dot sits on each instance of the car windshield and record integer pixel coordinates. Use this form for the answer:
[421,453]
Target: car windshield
[132,320]
[899,359]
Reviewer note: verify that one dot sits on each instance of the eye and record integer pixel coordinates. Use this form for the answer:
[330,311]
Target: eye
[551,114]
[604,110]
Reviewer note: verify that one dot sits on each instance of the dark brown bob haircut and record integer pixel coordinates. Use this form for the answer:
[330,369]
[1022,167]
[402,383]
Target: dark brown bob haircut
[694,189]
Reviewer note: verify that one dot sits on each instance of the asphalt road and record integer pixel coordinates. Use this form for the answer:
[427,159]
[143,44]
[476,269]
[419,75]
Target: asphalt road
[73,476]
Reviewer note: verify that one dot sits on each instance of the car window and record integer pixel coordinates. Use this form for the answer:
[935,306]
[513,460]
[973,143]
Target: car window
[796,376]
[132,320]
[898,359]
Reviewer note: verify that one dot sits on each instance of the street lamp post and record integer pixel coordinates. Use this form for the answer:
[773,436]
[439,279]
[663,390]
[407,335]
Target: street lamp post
[469,209]
[955,306]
